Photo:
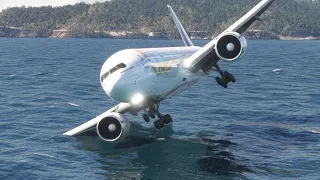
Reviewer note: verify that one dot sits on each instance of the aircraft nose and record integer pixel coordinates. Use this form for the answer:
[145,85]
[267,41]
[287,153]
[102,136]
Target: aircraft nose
[116,87]
[109,84]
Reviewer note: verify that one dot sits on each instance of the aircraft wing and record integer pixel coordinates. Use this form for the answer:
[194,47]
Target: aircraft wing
[206,53]
[120,108]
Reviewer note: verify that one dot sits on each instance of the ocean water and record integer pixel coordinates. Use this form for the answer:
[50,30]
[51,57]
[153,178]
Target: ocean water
[265,126]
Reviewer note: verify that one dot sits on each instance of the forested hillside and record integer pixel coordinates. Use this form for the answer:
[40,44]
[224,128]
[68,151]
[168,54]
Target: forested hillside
[297,18]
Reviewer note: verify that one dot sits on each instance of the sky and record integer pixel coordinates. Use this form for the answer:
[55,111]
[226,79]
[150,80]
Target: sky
[11,3]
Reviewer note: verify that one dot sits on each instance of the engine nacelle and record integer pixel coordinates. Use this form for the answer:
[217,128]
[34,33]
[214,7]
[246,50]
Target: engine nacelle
[113,127]
[231,46]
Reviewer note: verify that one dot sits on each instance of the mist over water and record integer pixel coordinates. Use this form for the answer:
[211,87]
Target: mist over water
[266,126]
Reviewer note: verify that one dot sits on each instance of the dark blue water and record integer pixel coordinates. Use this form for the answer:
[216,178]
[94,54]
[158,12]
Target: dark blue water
[266,126]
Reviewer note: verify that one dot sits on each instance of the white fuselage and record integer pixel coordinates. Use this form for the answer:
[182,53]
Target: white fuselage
[154,72]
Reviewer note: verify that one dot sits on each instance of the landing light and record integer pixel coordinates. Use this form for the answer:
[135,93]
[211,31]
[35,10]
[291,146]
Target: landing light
[186,64]
[137,99]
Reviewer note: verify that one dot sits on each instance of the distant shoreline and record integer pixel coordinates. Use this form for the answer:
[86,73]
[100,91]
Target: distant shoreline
[17,32]
[286,38]
[254,34]
[282,38]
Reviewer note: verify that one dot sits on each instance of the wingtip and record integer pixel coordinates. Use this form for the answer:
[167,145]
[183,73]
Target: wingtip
[66,134]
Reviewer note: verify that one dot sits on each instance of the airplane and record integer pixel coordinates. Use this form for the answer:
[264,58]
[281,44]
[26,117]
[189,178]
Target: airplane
[140,79]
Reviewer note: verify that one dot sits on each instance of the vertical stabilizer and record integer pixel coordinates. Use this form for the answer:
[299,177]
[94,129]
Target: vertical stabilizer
[187,41]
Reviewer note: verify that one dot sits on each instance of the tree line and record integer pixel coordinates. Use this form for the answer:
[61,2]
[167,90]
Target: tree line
[284,17]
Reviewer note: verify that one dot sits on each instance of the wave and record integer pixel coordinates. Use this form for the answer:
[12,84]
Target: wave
[314,131]
[45,155]
[73,104]
[277,71]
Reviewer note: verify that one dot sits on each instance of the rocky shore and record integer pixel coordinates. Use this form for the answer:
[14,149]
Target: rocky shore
[16,32]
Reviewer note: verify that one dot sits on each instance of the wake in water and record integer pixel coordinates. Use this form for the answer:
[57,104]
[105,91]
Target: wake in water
[219,158]
[214,155]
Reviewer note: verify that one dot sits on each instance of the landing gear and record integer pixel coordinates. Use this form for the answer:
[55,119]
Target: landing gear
[225,78]
[229,77]
[152,116]
[159,124]
[221,82]
[153,112]
[166,119]
[146,118]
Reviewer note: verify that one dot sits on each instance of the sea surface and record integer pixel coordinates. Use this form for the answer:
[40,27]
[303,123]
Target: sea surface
[265,126]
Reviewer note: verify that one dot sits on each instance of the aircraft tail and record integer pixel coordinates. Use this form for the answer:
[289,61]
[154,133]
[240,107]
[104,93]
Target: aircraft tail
[186,39]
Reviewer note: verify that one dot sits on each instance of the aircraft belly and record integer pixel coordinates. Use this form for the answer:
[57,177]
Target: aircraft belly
[185,80]
[163,85]
[152,85]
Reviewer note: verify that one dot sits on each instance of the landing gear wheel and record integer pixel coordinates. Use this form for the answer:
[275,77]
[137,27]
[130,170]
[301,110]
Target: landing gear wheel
[146,117]
[221,82]
[228,77]
[167,119]
[233,79]
[159,124]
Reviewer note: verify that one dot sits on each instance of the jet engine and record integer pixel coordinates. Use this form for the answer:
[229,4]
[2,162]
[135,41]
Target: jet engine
[230,46]
[113,127]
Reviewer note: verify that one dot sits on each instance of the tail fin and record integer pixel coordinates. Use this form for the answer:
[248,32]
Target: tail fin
[187,41]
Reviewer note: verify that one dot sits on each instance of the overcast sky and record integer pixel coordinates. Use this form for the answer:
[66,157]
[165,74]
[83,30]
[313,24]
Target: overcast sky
[11,3]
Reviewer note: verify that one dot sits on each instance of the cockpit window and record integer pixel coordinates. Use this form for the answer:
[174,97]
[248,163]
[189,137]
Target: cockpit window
[104,76]
[121,66]
[114,69]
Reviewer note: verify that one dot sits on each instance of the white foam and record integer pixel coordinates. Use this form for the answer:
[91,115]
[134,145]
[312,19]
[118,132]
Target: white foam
[314,131]
[45,155]
[73,104]
[12,75]
[161,139]
[277,70]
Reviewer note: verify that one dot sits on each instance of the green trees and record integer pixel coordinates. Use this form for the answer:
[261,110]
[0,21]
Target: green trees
[285,17]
